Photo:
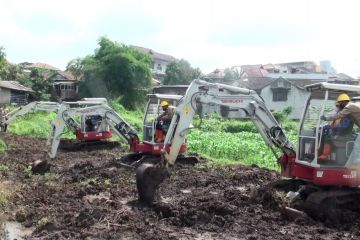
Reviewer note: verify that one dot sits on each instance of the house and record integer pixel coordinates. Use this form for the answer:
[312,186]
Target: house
[160,61]
[215,76]
[14,92]
[282,93]
[282,85]
[171,89]
[65,85]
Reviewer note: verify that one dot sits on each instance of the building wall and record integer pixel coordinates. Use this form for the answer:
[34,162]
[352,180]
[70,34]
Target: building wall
[66,91]
[4,95]
[295,98]
[159,66]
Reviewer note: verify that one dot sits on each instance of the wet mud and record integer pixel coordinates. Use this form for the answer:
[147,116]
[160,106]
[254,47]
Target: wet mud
[88,195]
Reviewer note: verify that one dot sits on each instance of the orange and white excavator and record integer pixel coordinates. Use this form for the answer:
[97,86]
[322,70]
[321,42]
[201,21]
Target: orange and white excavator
[333,182]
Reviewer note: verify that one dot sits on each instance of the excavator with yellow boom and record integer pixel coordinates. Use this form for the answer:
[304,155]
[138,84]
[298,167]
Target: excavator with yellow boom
[326,188]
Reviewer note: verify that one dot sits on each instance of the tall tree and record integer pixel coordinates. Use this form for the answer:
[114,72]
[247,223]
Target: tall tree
[3,64]
[180,72]
[38,83]
[116,71]
[75,67]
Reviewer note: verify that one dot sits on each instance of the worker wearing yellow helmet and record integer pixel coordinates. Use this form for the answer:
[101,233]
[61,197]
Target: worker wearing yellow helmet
[163,121]
[351,109]
[164,104]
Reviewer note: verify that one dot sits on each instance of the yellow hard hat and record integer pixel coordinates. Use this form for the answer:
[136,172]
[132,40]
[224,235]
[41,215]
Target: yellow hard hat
[164,104]
[343,97]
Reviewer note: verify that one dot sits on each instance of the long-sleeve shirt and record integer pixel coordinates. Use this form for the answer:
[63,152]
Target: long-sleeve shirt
[342,126]
[352,109]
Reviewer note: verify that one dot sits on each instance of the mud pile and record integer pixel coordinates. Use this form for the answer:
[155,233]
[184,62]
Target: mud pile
[88,195]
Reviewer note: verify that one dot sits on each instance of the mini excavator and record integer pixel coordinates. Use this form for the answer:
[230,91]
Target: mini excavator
[324,186]
[92,120]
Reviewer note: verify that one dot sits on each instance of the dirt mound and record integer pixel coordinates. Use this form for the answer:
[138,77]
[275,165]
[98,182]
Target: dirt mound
[86,195]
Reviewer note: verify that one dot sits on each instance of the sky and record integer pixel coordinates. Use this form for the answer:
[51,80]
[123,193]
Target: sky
[209,34]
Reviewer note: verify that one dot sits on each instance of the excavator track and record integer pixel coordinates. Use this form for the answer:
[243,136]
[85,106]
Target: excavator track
[332,205]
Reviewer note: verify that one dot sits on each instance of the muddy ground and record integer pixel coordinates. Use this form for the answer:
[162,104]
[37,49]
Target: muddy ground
[88,195]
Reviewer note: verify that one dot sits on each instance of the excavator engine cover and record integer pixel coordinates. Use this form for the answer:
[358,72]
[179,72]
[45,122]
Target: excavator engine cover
[148,179]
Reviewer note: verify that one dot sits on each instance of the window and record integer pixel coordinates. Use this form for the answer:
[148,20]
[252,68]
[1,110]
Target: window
[280,95]
[159,67]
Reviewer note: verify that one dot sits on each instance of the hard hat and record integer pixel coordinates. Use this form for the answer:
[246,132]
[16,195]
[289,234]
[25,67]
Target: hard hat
[164,104]
[343,97]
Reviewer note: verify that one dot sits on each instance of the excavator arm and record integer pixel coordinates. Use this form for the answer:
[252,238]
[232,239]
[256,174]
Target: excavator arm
[66,116]
[33,106]
[202,93]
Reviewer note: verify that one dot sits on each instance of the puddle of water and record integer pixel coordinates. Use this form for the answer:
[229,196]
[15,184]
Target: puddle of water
[14,230]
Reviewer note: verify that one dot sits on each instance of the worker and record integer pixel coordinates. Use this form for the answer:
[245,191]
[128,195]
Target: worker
[92,123]
[3,117]
[339,127]
[351,109]
[163,121]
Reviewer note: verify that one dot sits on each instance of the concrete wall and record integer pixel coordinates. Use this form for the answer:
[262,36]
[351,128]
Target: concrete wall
[296,99]
[4,95]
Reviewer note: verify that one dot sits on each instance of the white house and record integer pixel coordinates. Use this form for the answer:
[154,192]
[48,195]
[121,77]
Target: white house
[160,61]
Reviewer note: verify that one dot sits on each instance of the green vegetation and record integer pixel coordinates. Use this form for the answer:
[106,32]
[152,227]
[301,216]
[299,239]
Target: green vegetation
[134,118]
[36,124]
[37,82]
[115,70]
[234,141]
[180,72]
[2,146]
[223,141]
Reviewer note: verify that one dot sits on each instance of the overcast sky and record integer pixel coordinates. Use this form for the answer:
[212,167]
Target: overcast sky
[209,34]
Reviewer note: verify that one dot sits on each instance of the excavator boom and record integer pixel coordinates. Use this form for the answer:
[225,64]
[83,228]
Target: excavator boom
[203,93]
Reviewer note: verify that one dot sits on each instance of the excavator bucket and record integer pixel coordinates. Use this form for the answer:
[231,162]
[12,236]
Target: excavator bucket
[40,167]
[148,179]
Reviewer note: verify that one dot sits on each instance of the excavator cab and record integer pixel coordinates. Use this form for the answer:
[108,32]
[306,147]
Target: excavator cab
[92,126]
[339,168]
[315,133]
[152,113]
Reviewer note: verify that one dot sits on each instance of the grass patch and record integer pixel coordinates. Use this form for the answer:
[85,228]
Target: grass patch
[3,146]
[35,124]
